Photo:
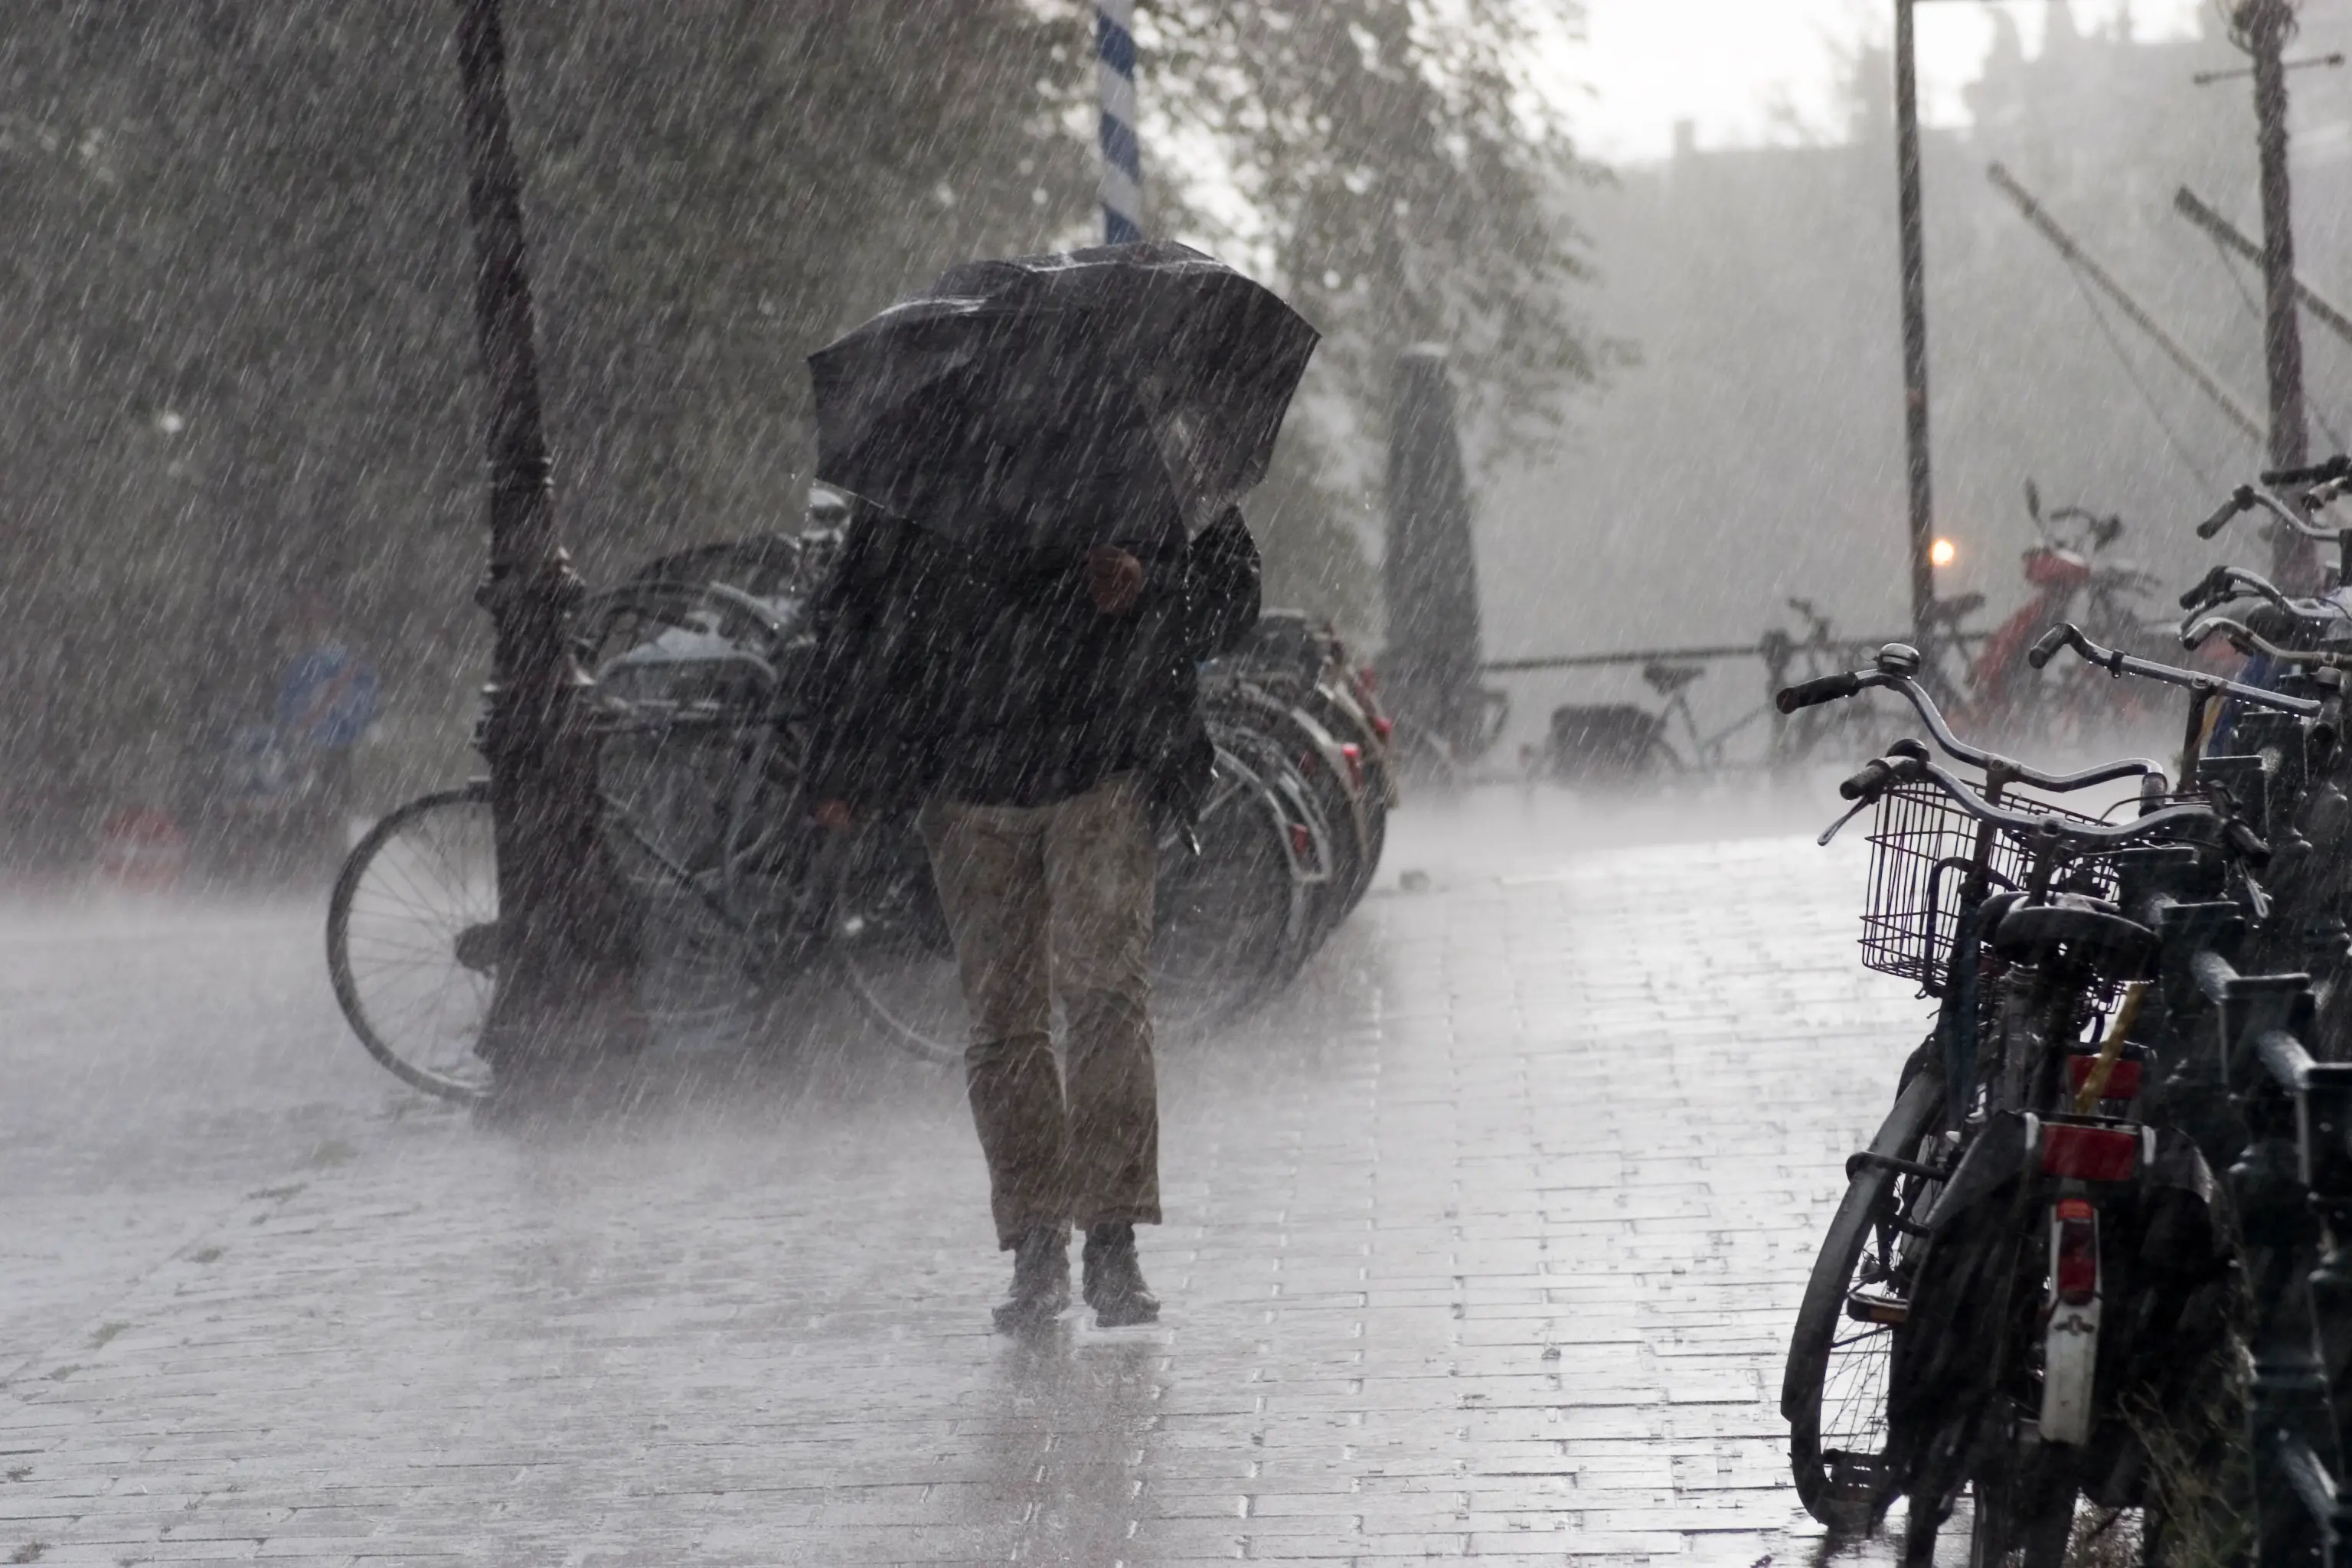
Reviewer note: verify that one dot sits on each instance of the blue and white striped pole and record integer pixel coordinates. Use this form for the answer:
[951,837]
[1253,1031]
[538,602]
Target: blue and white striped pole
[1122,159]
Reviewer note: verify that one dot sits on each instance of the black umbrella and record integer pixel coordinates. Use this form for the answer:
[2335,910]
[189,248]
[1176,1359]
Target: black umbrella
[1053,401]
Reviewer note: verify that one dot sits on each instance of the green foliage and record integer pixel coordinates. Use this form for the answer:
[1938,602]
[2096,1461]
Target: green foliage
[1405,176]
[1396,169]
[244,406]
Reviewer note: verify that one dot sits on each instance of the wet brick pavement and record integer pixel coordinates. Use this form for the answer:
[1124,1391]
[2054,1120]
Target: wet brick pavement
[1481,1244]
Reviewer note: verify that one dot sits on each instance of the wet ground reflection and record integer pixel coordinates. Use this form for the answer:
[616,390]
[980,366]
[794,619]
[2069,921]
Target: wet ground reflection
[1483,1242]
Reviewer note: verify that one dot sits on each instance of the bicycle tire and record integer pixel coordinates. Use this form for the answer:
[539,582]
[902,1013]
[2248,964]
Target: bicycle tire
[1346,724]
[921,1012]
[1241,890]
[1845,1488]
[1312,754]
[1311,849]
[672,799]
[383,1029]
[887,941]
[2013,1525]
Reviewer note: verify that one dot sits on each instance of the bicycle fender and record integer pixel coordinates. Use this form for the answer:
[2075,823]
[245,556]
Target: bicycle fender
[2185,1218]
[1994,1160]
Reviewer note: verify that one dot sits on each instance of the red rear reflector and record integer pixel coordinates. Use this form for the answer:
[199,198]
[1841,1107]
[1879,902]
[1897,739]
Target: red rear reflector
[1385,726]
[1355,755]
[2077,1263]
[2123,1078]
[2089,1154]
[1302,842]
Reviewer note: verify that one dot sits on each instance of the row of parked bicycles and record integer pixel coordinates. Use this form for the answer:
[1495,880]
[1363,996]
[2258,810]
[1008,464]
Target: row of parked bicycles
[1981,678]
[753,923]
[2086,1279]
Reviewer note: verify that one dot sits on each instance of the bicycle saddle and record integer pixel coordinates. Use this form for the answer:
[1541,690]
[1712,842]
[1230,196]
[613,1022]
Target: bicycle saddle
[1665,679]
[2112,947]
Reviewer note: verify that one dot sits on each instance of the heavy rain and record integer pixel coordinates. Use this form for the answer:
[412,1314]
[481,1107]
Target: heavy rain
[1135,782]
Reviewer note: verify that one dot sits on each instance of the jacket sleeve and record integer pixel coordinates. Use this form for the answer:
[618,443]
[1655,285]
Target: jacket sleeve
[1222,585]
[870,693]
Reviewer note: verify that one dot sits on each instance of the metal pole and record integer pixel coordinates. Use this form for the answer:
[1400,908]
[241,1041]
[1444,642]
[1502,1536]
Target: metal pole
[2262,27]
[2266,25]
[557,952]
[1122,158]
[2048,227]
[1915,322]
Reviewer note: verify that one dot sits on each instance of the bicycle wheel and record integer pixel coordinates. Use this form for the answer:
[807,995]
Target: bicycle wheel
[1339,714]
[1833,1390]
[411,940]
[1228,924]
[1308,838]
[1230,918]
[1315,758]
[677,798]
[1344,789]
[2020,1520]
[890,939]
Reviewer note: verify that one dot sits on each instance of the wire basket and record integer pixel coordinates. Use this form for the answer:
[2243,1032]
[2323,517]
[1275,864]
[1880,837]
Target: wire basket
[1922,846]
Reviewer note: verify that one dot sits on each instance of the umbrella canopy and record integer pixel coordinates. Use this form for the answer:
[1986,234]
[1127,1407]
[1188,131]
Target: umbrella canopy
[1053,401]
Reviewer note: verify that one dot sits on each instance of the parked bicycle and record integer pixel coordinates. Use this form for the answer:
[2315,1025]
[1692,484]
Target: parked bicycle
[745,908]
[1835,729]
[1622,742]
[2025,1253]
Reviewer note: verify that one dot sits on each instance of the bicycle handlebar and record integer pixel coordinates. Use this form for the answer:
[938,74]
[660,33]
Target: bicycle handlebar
[1864,786]
[1887,771]
[1895,664]
[2229,582]
[2240,499]
[2335,468]
[2327,492]
[2050,641]
[2224,584]
[2114,661]
[2245,639]
[2246,497]
[1820,689]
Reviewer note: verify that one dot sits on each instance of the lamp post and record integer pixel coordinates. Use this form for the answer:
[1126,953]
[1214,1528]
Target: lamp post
[560,954]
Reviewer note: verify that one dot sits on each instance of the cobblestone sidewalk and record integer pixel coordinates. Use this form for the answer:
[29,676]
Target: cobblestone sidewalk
[1484,1243]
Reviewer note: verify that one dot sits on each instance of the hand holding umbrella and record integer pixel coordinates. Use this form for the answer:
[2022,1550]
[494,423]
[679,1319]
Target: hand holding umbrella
[1114,579]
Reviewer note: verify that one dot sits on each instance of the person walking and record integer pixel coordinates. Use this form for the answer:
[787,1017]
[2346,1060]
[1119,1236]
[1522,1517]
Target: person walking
[1046,456]
[1040,711]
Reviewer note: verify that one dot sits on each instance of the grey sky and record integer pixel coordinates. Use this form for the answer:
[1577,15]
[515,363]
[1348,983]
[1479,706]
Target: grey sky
[1758,70]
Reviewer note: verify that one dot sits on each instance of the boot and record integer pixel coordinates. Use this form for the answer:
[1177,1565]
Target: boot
[1041,1281]
[1114,1279]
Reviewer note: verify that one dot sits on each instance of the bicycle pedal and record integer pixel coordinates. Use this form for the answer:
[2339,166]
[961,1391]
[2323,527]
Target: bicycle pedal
[1865,1308]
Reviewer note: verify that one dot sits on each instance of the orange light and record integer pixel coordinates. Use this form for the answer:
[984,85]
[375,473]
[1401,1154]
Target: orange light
[1943,553]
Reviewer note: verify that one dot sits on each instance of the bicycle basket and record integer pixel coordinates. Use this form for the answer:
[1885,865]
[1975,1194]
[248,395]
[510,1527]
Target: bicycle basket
[1921,848]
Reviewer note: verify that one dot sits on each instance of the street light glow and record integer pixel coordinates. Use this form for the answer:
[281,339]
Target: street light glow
[1943,553]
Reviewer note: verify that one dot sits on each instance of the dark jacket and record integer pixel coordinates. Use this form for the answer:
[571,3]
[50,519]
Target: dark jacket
[991,676]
